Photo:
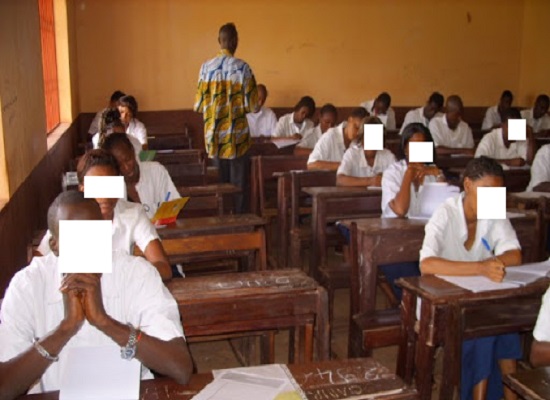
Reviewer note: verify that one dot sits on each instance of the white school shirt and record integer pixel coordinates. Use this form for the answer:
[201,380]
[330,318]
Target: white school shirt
[542,328]
[355,163]
[33,307]
[262,123]
[492,118]
[154,185]
[416,115]
[540,170]
[94,126]
[390,114]
[492,145]
[460,138]
[447,231]
[130,227]
[286,126]
[137,129]
[133,140]
[311,138]
[538,125]
[330,147]
[391,185]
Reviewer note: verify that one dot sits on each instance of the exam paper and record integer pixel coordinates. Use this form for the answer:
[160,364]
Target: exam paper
[432,195]
[281,143]
[478,284]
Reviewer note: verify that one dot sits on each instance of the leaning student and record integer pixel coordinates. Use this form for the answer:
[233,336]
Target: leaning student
[458,243]
[297,123]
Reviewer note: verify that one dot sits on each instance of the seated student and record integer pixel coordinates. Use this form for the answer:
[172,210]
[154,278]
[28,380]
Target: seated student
[297,123]
[128,108]
[496,145]
[537,117]
[361,167]
[401,186]
[130,223]
[147,182]
[540,348]
[44,314]
[452,135]
[540,171]
[380,107]
[330,149]
[328,115]
[495,114]
[262,121]
[424,114]
[110,123]
[453,245]
[113,103]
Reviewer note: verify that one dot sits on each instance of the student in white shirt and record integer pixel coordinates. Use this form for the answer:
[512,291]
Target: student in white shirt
[148,183]
[380,107]
[361,167]
[44,314]
[130,223]
[496,145]
[110,123]
[330,149]
[540,171]
[494,115]
[451,135]
[128,108]
[262,121]
[328,115]
[453,245]
[297,123]
[540,348]
[537,117]
[113,103]
[424,114]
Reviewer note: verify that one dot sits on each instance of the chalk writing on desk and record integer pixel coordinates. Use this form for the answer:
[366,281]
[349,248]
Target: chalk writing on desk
[280,282]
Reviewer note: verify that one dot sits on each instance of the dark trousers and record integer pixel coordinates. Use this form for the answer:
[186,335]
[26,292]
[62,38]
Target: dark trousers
[237,172]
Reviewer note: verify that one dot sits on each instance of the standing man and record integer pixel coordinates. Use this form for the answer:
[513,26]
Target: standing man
[226,93]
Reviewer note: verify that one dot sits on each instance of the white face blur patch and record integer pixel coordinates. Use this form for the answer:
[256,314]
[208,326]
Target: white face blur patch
[373,138]
[517,129]
[421,152]
[491,203]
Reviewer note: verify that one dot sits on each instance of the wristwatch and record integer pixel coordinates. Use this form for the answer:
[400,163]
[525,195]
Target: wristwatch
[128,352]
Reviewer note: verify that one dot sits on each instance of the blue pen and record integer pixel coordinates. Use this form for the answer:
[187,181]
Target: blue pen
[486,245]
[167,196]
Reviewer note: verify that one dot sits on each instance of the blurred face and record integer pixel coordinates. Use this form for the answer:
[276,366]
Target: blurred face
[417,137]
[107,206]
[352,128]
[125,114]
[453,118]
[470,187]
[327,121]
[430,110]
[380,108]
[541,108]
[301,115]
[262,96]
[504,104]
[126,159]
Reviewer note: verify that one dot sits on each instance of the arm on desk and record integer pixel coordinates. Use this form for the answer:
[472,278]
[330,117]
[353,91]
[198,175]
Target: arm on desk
[323,165]
[540,353]
[154,253]
[346,180]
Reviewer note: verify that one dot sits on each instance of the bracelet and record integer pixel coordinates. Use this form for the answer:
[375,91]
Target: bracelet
[43,352]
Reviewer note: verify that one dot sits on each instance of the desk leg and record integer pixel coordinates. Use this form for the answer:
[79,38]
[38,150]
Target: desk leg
[425,352]
[405,359]
[322,325]
[282,206]
[452,353]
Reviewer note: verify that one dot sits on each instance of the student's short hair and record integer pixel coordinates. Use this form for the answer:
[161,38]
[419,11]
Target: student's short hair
[308,102]
[437,99]
[359,113]
[482,166]
[507,94]
[117,139]
[543,98]
[117,94]
[108,117]
[368,120]
[228,30]
[455,101]
[131,103]
[95,158]
[262,87]
[328,109]
[385,98]
[409,131]
[70,197]
[511,113]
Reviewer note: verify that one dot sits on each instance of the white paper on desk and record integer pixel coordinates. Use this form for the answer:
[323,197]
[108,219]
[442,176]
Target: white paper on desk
[432,195]
[539,270]
[511,215]
[99,373]
[477,284]
[509,168]
[281,143]
[459,155]
[165,151]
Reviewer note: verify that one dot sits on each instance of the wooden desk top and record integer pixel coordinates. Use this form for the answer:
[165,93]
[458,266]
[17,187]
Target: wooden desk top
[210,225]
[320,380]
[530,384]
[207,190]
[341,191]
[373,226]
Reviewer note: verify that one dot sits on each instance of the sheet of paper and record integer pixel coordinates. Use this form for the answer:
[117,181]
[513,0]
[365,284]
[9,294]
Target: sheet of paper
[539,269]
[98,373]
[477,284]
[517,276]
[281,143]
[432,195]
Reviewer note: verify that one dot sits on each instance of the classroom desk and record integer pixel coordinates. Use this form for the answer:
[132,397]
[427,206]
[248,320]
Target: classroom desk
[263,146]
[223,192]
[530,384]
[318,380]
[456,161]
[450,314]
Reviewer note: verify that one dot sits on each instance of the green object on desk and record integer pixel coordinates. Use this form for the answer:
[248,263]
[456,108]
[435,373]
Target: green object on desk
[147,155]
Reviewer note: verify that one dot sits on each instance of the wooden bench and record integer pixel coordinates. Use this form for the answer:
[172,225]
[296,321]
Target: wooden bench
[251,302]
[182,156]
[169,141]
[188,174]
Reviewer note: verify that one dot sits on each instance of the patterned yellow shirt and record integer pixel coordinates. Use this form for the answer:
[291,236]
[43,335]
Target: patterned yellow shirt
[226,93]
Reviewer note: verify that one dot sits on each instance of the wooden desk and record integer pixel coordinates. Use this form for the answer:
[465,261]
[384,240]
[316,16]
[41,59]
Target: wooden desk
[530,384]
[319,380]
[256,301]
[448,162]
[222,193]
[450,314]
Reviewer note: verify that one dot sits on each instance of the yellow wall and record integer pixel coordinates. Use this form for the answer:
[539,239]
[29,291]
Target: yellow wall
[535,56]
[21,89]
[341,51]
